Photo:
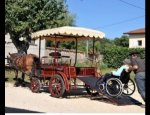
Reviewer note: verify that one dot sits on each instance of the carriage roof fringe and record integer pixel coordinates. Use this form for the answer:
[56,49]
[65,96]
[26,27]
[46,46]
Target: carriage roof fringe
[68,33]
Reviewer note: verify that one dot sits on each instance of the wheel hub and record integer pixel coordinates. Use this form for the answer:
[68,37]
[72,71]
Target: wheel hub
[125,86]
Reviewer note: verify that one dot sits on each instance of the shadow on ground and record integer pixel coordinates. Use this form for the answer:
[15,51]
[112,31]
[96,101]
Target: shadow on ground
[16,110]
[6,79]
[119,101]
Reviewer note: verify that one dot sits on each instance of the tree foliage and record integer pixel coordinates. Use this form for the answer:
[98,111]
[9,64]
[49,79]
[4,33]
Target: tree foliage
[104,43]
[25,16]
[122,41]
[114,56]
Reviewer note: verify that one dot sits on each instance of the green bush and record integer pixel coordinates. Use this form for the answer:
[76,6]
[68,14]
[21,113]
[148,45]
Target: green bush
[113,56]
[102,65]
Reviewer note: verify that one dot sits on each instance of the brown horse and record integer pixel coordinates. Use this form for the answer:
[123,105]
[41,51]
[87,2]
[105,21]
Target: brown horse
[23,63]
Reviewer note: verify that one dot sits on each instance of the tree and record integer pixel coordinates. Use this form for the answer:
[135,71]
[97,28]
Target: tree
[105,43]
[122,41]
[22,17]
[68,45]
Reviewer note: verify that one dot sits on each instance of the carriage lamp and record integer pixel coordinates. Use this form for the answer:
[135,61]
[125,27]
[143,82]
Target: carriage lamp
[42,60]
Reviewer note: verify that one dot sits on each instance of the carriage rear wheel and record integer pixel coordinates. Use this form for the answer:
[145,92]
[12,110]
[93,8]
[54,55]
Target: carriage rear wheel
[35,85]
[56,86]
[114,87]
[129,88]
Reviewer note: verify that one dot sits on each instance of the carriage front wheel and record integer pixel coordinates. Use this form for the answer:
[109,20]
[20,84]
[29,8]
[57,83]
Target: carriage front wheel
[129,88]
[35,85]
[56,86]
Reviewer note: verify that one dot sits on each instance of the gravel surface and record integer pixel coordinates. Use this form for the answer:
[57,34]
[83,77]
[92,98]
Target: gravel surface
[21,99]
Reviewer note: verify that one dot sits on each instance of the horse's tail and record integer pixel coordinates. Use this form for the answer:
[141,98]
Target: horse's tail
[36,62]
[35,58]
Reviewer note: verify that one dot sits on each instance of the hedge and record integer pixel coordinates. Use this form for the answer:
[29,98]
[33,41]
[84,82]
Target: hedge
[114,56]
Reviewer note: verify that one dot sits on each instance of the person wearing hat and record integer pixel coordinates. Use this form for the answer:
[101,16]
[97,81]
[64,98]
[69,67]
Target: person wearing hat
[138,66]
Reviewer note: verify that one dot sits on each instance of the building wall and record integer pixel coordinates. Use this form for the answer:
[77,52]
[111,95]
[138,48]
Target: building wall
[81,56]
[33,49]
[133,41]
[9,47]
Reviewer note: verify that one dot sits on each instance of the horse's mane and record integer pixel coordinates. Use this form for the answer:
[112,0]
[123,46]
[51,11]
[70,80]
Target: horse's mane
[15,54]
[33,55]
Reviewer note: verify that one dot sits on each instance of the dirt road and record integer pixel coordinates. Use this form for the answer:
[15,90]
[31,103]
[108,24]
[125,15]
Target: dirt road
[21,98]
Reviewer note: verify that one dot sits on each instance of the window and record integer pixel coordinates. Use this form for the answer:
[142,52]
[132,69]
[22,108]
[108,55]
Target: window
[139,42]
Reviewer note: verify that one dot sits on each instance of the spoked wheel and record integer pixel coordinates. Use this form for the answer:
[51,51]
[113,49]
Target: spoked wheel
[56,86]
[114,87]
[129,88]
[35,85]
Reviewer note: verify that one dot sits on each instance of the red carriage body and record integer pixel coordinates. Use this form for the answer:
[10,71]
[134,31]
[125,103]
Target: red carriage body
[60,75]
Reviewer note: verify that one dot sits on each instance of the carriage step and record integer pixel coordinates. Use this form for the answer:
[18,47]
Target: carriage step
[73,87]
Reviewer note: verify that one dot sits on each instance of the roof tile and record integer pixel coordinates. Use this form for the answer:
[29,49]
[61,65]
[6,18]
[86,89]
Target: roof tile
[137,31]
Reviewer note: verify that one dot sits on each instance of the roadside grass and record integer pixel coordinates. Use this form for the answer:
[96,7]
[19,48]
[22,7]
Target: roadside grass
[10,75]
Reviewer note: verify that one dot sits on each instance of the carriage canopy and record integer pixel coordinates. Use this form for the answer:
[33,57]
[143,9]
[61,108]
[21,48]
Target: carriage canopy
[68,33]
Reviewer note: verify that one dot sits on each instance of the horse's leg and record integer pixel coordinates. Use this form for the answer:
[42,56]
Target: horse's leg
[32,70]
[23,76]
[16,75]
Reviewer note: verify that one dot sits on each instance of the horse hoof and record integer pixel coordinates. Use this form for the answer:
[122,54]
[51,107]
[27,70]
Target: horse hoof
[16,84]
[23,84]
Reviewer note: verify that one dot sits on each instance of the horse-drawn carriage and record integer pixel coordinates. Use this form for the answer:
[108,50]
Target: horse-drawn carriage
[60,76]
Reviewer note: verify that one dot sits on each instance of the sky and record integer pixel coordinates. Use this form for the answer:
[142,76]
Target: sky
[113,17]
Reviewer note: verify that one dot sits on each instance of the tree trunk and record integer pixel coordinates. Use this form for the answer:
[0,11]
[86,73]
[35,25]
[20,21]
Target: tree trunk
[21,46]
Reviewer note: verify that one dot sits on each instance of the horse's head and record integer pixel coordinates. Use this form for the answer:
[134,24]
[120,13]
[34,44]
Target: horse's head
[12,55]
